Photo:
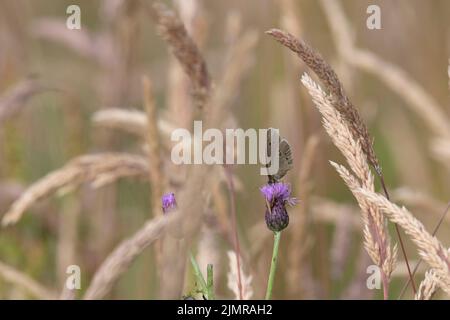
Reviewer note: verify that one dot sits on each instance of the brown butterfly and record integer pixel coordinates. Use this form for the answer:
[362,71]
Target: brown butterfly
[285,160]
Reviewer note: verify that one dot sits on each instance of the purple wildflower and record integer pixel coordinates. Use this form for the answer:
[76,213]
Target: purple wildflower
[279,191]
[277,196]
[277,218]
[168,202]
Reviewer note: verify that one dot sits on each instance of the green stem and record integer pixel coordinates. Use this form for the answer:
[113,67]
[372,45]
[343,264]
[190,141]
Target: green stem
[198,274]
[273,266]
[210,282]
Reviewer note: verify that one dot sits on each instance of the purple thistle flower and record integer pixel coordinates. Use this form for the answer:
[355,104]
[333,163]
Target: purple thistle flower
[277,217]
[168,202]
[279,192]
[277,196]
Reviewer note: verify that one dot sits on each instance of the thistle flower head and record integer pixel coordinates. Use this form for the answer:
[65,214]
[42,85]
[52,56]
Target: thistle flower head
[278,192]
[168,202]
[277,195]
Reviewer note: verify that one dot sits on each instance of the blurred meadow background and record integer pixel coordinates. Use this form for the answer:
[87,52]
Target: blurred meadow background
[69,93]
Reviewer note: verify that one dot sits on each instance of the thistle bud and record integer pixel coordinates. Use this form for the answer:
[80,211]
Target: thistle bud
[277,195]
[277,217]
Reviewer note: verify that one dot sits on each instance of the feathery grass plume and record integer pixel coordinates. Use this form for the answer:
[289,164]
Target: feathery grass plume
[135,122]
[239,58]
[86,43]
[377,241]
[247,290]
[343,105]
[179,105]
[435,230]
[416,97]
[121,258]
[428,286]
[98,169]
[14,100]
[130,121]
[340,100]
[22,280]
[430,248]
[157,178]
[185,50]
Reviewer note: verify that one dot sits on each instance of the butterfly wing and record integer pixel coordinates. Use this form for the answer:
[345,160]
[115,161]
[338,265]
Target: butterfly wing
[269,153]
[285,160]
